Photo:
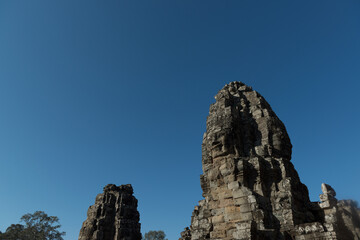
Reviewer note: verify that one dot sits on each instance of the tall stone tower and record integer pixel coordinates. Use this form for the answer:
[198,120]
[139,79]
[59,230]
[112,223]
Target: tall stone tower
[114,216]
[250,187]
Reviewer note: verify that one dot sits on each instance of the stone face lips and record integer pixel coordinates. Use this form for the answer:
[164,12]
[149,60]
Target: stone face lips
[114,216]
[250,188]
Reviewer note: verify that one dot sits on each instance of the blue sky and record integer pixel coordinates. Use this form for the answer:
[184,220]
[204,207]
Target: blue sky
[98,92]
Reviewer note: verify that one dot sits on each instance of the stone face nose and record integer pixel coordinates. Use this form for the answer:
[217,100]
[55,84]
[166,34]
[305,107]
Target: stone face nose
[114,216]
[251,189]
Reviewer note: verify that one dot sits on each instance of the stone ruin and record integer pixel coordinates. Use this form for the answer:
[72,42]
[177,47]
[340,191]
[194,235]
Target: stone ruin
[250,187]
[114,216]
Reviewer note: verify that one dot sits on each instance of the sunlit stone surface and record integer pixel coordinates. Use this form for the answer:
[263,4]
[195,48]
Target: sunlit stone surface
[251,189]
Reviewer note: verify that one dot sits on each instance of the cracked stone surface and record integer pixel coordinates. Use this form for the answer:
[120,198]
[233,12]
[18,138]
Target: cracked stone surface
[250,187]
[114,216]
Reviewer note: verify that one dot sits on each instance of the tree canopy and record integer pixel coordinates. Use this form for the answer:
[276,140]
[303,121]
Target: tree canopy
[38,226]
[155,235]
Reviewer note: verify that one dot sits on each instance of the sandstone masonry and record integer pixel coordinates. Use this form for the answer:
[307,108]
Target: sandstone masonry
[250,187]
[114,216]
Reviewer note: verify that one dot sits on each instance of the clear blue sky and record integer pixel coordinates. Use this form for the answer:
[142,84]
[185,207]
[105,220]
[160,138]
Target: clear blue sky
[98,92]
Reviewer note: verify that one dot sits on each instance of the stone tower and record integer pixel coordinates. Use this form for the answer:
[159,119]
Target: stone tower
[114,216]
[250,187]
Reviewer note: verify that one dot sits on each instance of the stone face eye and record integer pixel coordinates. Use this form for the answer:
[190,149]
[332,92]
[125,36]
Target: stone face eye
[215,143]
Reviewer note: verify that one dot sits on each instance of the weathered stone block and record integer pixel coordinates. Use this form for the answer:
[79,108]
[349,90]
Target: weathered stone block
[240,201]
[226,202]
[232,209]
[217,219]
[225,194]
[219,234]
[233,185]
[245,208]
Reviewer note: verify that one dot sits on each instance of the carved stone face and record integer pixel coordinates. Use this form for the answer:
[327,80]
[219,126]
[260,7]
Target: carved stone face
[220,145]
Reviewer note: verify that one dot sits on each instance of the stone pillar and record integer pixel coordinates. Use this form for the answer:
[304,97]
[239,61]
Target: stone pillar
[328,203]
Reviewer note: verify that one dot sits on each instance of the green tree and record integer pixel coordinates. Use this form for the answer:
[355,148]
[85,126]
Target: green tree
[155,235]
[38,226]
[15,231]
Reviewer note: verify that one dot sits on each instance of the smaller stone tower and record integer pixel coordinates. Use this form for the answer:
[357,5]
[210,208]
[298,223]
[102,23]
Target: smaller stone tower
[114,216]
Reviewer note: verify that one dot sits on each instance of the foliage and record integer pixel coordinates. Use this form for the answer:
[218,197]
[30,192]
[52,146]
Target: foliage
[38,226]
[15,231]
[155,235]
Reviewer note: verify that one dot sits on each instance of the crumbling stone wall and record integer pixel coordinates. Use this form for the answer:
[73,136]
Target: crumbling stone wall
[251,189]
[114,216]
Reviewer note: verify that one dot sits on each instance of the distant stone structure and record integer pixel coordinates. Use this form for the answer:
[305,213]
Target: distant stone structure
[251,189]
[114,216]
